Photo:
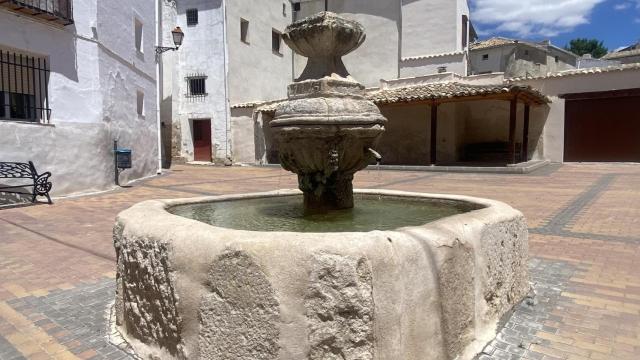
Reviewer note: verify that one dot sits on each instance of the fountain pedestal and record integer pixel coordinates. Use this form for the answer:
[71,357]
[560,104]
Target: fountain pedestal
[327,127]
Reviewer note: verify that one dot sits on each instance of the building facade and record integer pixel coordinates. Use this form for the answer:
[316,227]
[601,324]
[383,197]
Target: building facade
[74,77]
[397,45]
[627,55]
[232,53]
[235,51]
[517,58]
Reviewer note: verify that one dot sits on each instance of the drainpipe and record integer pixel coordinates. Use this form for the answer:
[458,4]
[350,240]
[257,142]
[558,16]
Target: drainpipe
[227,104]
[159,82]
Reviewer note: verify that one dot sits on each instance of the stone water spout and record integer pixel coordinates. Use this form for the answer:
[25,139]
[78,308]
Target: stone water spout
[327,127]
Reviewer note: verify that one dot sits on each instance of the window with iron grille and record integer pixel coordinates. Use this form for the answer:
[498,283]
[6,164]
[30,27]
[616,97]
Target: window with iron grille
[197,85]
[24,82]
[192,17]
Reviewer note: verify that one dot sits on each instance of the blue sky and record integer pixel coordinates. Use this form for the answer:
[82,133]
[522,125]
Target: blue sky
[616,22]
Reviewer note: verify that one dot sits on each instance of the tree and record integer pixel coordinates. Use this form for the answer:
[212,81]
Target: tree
[582,46]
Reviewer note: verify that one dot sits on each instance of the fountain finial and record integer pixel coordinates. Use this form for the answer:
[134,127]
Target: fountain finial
[327,127]
[324,38]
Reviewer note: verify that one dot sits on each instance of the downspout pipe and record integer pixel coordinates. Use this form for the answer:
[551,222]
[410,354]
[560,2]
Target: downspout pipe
[227,105]
[159,82]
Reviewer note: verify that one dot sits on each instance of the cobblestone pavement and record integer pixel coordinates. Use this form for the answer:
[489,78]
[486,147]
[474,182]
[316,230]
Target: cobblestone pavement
[57,262]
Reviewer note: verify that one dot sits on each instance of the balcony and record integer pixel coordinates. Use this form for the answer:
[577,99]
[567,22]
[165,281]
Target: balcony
[58,12]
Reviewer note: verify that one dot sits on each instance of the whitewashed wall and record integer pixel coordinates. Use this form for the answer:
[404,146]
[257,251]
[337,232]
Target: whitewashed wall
[255,71]
[454,63]
[378,57]
[92,93]
[202,52]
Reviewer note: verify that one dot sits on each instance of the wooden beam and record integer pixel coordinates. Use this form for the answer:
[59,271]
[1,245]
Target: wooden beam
[525,134]
[513,111]
[601,94]
[434,134]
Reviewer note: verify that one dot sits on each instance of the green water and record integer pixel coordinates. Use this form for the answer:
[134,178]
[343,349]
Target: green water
[285,213]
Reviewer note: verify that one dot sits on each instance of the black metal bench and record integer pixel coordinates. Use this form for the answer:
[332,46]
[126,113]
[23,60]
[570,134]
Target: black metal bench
[15,170]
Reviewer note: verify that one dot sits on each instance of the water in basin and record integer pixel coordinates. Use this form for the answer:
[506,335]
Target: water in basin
[286,213]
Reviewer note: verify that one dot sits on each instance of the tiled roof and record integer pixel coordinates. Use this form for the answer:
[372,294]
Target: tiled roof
[594,70]
[622,54]
[411,58]
[247,105]
[493,42]
[500,41]
[448,91]
[441,92]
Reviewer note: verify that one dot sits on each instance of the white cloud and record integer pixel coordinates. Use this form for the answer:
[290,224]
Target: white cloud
[627,4]
[527,18]
[622,6]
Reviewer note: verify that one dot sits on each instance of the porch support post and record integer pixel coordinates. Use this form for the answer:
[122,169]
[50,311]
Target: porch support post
[525,134]
[434,133]
[512,129]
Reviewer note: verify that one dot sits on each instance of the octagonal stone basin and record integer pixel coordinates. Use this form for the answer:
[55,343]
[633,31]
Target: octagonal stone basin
[433,290]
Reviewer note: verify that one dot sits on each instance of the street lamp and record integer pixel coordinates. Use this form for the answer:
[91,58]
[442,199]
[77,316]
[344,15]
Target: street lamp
[177,35]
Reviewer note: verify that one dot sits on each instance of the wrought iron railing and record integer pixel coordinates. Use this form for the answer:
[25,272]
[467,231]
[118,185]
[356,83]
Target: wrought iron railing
[56,11]
[24,88]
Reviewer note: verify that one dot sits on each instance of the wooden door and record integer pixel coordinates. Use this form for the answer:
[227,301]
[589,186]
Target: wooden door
[603,128]
[202,140]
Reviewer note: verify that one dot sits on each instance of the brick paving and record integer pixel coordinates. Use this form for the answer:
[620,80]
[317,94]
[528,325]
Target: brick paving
[57,262]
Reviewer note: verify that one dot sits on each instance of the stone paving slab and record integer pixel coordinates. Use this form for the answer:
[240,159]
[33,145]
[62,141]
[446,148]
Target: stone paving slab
[57,262]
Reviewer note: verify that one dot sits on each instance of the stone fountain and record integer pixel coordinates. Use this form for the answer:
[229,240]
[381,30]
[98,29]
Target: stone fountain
[326,131]
[258,276]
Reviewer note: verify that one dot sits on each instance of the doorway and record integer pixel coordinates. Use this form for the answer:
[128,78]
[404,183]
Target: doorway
[202,140]
[602,127]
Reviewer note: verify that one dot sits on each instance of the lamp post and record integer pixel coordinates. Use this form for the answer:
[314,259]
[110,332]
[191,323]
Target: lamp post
[177,35]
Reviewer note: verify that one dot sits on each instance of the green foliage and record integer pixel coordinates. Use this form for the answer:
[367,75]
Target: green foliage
[583,46]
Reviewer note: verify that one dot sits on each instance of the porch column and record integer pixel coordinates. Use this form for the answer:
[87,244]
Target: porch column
[525,134]
[434,133]
[512,130]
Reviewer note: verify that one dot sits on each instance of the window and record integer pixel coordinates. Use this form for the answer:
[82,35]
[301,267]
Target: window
[276,42]
[465,31]
[140,103]
[244,31]
[485,57]
[526,52]
[442,69]
[557,59]
[24,82]
[196,85]
[192,17]
[284,9]
[139,36]
[296,6]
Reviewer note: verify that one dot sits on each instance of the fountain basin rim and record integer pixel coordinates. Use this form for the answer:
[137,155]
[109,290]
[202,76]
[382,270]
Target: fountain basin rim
[156,213]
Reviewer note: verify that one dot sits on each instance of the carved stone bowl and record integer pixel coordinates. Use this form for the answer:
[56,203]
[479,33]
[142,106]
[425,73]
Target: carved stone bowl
[325,34]
[189,290]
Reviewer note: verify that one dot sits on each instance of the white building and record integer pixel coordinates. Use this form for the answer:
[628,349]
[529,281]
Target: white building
[404,38]
[518,58]
[232,53]
[74,76]
[626,55]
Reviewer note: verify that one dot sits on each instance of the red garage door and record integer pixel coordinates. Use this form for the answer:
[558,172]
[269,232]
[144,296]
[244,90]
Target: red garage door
[602,126]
